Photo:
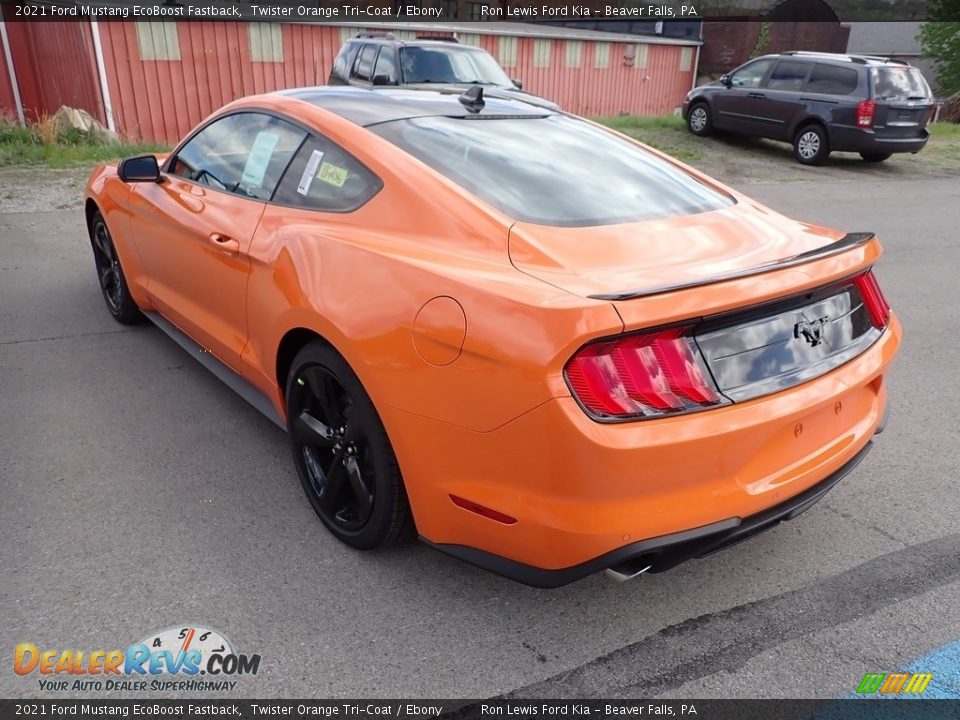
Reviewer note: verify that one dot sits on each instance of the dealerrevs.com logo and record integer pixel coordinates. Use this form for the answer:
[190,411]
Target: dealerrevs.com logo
[187,658]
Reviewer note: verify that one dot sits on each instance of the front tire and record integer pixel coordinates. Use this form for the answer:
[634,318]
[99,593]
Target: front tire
[875,157]
[810,145]
[113,283]
[699,120]
[342,453]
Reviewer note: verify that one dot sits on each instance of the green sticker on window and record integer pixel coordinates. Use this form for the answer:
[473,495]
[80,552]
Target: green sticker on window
[333,174]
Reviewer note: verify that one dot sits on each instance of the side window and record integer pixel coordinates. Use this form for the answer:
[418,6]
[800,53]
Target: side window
[832,80]
[788,75]
[344,60]
[364,67]
[387,65]
[325,177]
[751,75]
[244,153]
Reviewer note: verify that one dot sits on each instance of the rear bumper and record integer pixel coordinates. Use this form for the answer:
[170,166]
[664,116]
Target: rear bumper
[583,494]
[847,139]
[660,553]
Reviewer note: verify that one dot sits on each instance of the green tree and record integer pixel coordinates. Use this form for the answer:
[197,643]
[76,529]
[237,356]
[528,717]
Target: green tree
[940,40]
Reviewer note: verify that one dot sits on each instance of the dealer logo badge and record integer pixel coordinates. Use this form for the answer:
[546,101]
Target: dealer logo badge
[181,658]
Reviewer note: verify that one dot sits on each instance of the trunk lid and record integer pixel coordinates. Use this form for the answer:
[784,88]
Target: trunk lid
[643,257]
[737,278]
[755,353]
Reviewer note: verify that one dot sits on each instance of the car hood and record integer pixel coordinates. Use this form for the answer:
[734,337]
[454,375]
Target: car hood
[643,257]
[497,91]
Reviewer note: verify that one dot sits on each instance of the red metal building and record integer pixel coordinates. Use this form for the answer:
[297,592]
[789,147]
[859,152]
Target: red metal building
[156,80]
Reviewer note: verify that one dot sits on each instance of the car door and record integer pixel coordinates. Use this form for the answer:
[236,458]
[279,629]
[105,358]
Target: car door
[362,72]
[778,100]
[734,105]
[193,229]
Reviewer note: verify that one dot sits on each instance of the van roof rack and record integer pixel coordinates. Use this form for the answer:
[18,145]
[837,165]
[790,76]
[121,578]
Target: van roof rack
[859,59]
[376,34]
[833,56]
[445,37]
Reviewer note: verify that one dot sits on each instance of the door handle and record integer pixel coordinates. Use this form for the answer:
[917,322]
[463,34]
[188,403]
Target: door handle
[224,243]
[758,96]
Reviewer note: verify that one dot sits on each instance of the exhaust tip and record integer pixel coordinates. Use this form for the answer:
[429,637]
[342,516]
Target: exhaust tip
[629,570]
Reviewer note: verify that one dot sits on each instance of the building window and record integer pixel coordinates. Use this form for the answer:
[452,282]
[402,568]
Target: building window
[476,12]
[449,8]
[686,59]
[541,53]
[508,51]
[640,58]
[266,42]
[158,41]
[574,53]
[601,57]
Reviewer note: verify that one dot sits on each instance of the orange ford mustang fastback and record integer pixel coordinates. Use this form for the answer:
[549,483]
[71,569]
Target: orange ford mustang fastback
[541,346]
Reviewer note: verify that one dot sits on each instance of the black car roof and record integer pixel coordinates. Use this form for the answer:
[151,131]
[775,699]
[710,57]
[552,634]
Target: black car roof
[366,106]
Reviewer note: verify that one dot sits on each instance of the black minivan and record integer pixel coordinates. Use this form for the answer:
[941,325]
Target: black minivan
[819,102]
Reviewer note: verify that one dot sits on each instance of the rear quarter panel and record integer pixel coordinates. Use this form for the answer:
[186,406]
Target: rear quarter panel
[360,280]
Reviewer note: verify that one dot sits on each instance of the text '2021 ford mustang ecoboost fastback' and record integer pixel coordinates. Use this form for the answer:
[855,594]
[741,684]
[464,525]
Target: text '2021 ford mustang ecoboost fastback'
[543,347]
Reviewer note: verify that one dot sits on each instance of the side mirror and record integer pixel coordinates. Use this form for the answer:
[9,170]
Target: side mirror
[142,168]
[517,83]
[726,81]
[382,80]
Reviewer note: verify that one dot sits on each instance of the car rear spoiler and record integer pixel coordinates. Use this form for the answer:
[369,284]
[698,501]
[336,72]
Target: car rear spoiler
[848,241]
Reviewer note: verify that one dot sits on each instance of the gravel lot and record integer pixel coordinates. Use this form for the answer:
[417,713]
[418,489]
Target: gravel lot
[139,493]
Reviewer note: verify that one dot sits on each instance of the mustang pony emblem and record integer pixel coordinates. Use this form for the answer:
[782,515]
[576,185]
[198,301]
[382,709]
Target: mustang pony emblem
[810,330]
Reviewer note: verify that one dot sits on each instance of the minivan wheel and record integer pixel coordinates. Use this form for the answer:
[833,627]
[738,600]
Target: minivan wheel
[342,453]
[698,120]
[875,157]
[810,145]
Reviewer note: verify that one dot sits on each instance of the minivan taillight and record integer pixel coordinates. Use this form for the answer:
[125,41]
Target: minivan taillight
[647,374]
[866,109]
[873,298]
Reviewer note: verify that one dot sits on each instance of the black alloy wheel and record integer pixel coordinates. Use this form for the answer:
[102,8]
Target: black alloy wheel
[113,283]
[342,454]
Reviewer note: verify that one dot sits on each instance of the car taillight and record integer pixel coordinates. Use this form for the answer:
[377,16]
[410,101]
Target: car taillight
[866,109]
[647,374]
[873,298]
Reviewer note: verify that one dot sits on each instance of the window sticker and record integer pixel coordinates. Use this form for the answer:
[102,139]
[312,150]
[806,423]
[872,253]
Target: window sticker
[309,172]
[259,159]
[333,174]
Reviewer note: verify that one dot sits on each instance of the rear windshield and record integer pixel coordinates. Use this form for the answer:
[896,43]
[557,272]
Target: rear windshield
[553,170]
[899,83]
[450,65]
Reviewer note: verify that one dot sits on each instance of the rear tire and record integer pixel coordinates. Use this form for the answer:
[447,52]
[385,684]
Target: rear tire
[875,157]
[113,283]
[810,145]
[699,120]
[342,453]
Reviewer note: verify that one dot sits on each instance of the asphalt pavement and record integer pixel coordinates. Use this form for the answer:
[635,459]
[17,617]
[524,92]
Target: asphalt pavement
[138,493]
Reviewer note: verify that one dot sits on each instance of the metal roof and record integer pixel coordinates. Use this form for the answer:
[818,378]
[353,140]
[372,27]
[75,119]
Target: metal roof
[517,29]
[366,106]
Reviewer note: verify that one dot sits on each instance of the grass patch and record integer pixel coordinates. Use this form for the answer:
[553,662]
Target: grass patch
[666,133]
[626,123]
[948,131]
[44,144]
